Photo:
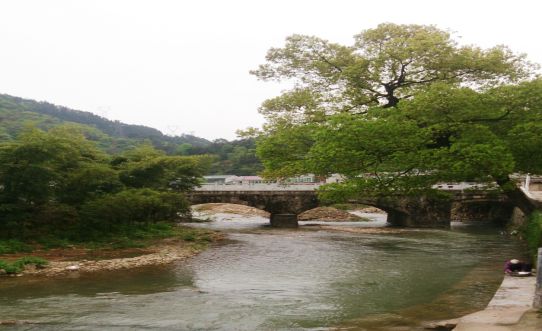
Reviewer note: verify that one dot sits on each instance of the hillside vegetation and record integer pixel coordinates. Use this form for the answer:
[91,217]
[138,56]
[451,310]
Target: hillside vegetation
[57,186]
[114,137]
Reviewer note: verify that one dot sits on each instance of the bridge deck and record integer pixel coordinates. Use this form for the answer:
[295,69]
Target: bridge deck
[258,187]
[451,187]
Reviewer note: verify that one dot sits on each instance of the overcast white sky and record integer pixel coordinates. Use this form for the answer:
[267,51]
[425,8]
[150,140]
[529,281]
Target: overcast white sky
[182,66]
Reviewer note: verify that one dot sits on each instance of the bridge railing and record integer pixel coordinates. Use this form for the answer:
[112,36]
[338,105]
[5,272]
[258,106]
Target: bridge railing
[258,187]
[464,187]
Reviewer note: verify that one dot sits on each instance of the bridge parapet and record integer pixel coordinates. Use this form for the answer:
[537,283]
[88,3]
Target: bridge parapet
[263,187]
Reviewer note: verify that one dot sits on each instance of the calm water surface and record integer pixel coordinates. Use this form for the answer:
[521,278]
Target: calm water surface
[265,279]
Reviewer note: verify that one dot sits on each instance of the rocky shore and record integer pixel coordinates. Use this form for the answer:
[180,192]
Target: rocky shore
[329,214]
[162,254]
[66,261]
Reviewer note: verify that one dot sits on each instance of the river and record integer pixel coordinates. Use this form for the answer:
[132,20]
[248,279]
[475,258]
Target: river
[274,279]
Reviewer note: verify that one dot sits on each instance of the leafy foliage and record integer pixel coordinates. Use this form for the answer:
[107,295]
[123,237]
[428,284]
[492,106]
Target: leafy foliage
[532,231]
[18,266]
[236,157]
[113,136]
[230,157]
[385,65]
[58,183]
[13,246]
[110,213]
[465,114]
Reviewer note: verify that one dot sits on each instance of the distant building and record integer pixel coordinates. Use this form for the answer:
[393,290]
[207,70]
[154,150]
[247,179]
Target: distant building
[217,179]
[233,180]
[251,180]
[463,186]
[334,178]
[307,179]
[245,180]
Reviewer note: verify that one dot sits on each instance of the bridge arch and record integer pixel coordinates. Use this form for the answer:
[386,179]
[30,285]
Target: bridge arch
[283,206]
[228,208]
[403,210]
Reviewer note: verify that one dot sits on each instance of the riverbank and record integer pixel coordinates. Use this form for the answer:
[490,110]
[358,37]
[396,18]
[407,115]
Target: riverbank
[82,259]
[510,309]
[504,312]
[263,278]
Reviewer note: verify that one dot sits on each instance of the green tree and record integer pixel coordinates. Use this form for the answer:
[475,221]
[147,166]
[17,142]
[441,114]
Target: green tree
[444,133]
[34,171]
[37,165]
[58,184]
[147,167]
[117,212]
[385,65]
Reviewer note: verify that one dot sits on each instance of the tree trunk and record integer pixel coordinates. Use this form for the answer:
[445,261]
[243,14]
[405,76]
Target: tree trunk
[392,101]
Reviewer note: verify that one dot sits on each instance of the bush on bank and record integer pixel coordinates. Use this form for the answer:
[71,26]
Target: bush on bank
[18,266]
[532,232]
[57,188]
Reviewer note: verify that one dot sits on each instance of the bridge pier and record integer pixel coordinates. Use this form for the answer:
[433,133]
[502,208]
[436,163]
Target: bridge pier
[283,220]
[499,213]
[422,211]
[419,212]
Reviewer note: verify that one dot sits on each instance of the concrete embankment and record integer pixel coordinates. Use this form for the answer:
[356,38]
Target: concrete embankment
[504,312]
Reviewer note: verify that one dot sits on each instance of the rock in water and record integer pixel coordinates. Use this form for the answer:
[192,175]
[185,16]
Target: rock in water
[328,214]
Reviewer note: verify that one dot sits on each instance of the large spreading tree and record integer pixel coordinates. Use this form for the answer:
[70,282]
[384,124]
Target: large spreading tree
[404,108]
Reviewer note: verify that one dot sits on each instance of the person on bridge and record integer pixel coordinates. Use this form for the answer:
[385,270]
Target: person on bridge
[514,266]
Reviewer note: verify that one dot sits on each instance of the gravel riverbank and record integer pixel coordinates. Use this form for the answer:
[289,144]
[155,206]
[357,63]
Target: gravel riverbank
[71,260]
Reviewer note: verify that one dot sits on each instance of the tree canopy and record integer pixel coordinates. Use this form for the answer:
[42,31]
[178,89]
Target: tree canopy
[60,184]
[236,157]
[401,110]
[385,65]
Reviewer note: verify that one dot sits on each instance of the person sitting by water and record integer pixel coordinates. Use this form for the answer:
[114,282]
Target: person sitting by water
[514,266]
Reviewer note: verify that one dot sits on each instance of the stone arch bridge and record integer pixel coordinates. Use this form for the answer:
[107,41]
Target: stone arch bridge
[284,204]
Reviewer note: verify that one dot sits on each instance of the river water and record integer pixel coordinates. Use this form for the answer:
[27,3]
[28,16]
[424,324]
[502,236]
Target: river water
[273,279]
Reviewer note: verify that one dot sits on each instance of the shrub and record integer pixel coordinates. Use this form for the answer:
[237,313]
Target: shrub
[38,261]
[18,266]
[48,242]
[9,268]
[188,237]
[129,208]
[532,232]
[54,219]
[13,246]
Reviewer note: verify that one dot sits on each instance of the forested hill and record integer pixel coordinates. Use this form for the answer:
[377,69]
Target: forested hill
[15,111]
[235,157]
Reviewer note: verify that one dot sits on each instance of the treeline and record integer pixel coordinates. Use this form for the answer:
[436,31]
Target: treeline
[113,137]
[236,157]
[53,114]
[59,184]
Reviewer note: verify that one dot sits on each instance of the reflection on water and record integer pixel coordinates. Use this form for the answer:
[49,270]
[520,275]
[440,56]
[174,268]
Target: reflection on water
[264,279]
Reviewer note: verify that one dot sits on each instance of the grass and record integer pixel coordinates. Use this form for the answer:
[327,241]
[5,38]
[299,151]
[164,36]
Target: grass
[14,246]
[19,265]
[144,236]
[137,236]
[198,238]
